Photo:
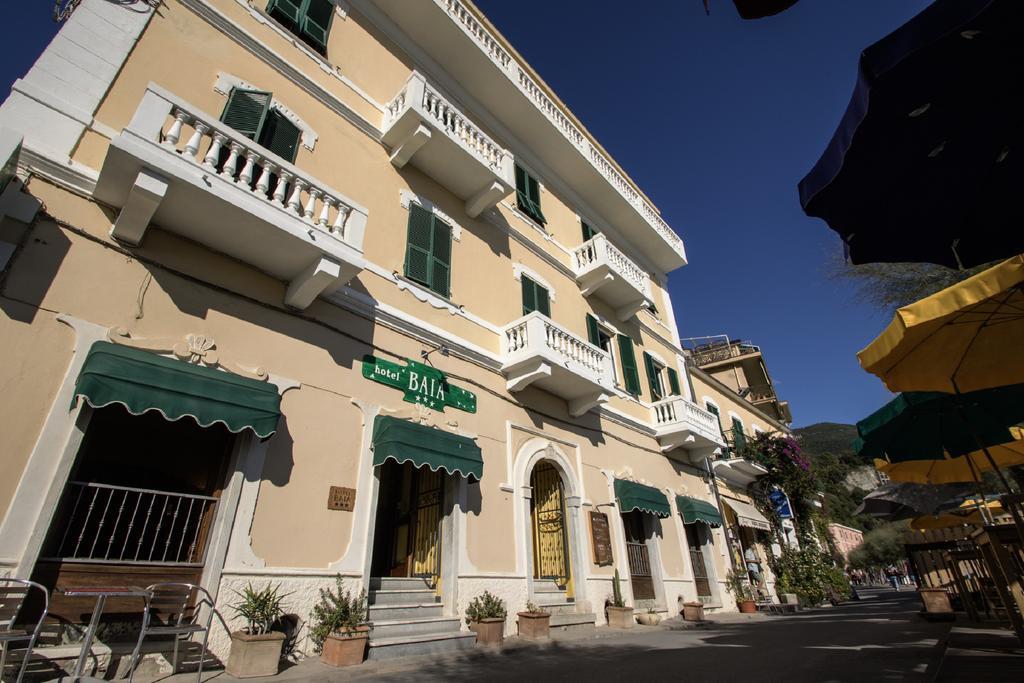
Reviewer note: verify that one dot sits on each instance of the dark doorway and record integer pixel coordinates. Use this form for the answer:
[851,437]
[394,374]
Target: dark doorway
[407,536]
[695,541]
[639,558]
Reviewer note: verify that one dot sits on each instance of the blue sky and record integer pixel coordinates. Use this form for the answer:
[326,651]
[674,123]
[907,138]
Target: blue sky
[717,119]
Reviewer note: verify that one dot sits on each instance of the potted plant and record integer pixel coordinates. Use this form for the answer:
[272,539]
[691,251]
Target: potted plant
[739,586]
[486,618]
[256,649]
[649,618]
[619,616]
[535,622]
[339,631]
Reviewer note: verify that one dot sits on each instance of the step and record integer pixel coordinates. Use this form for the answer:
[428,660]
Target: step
[427,644]
[550,598]
[404,596]
[546,586]
[398,612]
[573,622]
[397,583]
[560,608]
[415,627]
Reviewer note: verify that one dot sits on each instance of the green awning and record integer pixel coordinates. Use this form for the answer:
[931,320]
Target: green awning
[405,441]
[695,510]
[634,496]
[142,381]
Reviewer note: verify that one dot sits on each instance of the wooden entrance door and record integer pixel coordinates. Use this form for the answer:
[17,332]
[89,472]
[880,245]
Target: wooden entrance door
[550,540]
[416,525]
[639,559]
[700,568]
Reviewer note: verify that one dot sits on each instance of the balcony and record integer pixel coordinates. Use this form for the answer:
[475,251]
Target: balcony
[182,169]
[682,423]
[422,127]
[536,351]
[606,273]
[738,471]
[451,33]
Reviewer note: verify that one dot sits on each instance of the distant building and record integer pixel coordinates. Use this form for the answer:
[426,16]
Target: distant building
[740,366]
[866,478]
[846,539]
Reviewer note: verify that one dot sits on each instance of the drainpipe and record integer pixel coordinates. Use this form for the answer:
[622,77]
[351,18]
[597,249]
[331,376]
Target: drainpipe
[721,511]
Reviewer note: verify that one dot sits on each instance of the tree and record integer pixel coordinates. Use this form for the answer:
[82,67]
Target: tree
[881,547]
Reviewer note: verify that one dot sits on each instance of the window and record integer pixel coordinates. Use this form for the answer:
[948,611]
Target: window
[600,337]
[673,382]
[535,297]
[309,20]
[428,255]
[249,112]
[654,369]
[528,195]
[739,439]
[588,232]
[630,374]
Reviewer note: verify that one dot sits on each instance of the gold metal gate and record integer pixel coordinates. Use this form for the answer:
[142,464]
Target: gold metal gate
[426,554]
[550,540]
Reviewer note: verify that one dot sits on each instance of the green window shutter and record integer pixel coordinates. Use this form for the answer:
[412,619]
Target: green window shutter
[289,10]
[280,136]
[246,111]
[673,382]
[417,252]
[588,232]
[317,22]
[593,332]
[630,374]
[535,298]
[534,191]
[739,439]
[712,408]
[528,195]
[653,380]
[441,256]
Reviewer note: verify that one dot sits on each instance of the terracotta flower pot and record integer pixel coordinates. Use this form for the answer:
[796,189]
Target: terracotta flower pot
[747,606]
[345,648]
[693,611]
[620,617]
[648,619]
[534,625]
[488,631]
[253,656]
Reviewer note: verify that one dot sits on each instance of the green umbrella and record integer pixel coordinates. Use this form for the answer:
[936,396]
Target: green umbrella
[927,425]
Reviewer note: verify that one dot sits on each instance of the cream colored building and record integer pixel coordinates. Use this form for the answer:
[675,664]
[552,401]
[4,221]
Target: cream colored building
[239,224]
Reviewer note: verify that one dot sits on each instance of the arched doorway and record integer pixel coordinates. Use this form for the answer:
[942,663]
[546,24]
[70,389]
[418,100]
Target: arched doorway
[550,526]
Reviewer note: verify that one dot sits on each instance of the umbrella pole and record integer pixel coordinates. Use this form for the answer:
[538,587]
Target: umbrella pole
[1013,505]
[986,514]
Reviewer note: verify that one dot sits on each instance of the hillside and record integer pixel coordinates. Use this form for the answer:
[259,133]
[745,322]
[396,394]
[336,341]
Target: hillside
[827,437]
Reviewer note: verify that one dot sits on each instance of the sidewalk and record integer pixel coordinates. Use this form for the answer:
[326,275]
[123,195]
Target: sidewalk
[981,653]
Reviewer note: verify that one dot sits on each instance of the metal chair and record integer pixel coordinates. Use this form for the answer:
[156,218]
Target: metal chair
[178,607]
[13,594]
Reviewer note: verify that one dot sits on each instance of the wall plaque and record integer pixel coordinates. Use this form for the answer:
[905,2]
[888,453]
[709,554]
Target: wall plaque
[602,540]
[421,383]
[341,498]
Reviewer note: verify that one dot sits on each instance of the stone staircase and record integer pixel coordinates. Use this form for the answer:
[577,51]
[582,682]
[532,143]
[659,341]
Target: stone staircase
[550,596]
[407,620]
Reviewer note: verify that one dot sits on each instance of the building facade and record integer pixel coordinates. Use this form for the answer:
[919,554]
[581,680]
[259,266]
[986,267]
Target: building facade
[300,289]
[846,539]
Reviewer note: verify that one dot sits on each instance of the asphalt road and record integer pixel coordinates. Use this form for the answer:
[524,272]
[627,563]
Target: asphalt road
[878,638]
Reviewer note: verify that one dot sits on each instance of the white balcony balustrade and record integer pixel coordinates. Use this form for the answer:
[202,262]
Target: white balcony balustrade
[679,422]
[422,127]
[605,272]
[536,351]
[183,170]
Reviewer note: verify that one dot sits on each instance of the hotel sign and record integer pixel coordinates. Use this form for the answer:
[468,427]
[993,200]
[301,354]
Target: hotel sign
[421,383]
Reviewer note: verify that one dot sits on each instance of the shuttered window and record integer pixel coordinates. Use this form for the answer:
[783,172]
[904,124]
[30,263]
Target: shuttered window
[739,439]
[593,331]
[673,382]
[653,377]
[309,20]
[630,374]
[535,298]
[428,254]
[249,112]
[528,195]
[588,232]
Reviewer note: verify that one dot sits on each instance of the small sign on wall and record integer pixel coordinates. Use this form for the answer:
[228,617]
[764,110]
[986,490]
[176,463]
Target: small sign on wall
[601,537]
[341,498]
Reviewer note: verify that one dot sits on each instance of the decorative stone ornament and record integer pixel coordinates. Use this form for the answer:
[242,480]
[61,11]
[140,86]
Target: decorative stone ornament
[197,349]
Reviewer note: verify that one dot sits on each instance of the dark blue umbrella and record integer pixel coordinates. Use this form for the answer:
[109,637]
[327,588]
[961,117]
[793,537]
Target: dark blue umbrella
[927,163]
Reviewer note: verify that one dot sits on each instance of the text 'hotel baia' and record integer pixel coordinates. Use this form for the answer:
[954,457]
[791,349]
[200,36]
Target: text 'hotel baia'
[295,289]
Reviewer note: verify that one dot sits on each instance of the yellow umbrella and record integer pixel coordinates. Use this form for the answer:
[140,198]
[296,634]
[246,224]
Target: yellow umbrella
[965,468]
[945,521]
[964,338]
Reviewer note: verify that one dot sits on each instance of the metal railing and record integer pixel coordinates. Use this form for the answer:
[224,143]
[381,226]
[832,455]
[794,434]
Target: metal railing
[639,563]
[106,523]
[715,354]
